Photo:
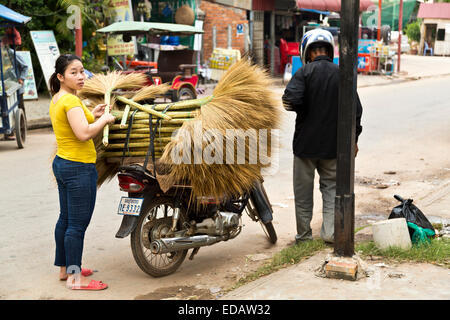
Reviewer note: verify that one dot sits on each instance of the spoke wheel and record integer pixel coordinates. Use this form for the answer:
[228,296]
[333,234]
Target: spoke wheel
[155,223]
[269,230]
[20,128]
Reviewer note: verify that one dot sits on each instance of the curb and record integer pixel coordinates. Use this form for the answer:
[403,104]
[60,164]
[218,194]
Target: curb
[39,123]
[406,79]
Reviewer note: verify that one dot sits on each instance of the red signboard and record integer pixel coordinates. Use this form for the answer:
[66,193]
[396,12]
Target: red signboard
[263,5]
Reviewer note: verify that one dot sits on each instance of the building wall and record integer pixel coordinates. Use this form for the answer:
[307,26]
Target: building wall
[242,4]
[221,16]
[258,37]
[440,47]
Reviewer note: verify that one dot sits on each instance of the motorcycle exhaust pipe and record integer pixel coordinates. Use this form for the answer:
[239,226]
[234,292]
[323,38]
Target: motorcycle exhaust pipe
[167,245]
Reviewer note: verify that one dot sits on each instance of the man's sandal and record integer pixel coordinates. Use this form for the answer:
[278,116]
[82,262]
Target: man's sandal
[93,285]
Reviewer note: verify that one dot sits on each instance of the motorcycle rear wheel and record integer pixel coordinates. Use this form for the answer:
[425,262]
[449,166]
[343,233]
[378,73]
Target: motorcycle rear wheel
[152,226]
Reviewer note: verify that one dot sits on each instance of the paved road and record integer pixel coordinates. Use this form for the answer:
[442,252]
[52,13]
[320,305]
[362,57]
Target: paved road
[406,128]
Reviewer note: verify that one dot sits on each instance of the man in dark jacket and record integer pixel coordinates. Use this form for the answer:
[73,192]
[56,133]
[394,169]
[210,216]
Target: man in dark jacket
[313,94]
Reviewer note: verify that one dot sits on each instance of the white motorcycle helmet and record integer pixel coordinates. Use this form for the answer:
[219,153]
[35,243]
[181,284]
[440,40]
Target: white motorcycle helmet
[316,36]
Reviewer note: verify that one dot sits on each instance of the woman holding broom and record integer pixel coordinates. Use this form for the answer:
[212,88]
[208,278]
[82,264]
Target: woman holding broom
[74,168]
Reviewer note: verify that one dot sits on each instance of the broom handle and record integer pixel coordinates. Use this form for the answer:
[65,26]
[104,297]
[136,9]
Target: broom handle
[185,104]
[135,145]
[106,128]
[144,124]
[110,154]
[142,108]
[144,116]
[126,111]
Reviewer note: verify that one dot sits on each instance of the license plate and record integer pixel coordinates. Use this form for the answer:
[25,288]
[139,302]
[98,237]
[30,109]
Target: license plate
[130,206]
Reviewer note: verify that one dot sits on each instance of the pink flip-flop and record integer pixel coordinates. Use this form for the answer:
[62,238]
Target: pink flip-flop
[84,273]
[93,285]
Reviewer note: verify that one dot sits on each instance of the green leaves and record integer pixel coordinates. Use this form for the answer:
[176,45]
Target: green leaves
[413,31]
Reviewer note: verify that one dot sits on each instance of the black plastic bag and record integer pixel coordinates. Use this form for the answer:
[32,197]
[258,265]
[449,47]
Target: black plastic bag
[411,213]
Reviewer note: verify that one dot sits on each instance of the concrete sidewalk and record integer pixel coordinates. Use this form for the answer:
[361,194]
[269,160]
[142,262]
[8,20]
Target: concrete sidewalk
[412,68]
[381,280]
[405,281]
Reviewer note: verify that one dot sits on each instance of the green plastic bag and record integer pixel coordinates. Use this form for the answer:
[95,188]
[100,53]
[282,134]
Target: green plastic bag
[420,234]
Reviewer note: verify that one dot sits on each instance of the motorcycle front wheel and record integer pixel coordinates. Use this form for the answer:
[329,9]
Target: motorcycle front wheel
[154,223]
[269,230]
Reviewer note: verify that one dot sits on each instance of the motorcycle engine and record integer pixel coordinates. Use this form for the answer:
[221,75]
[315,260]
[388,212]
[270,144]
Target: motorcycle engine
[220,224]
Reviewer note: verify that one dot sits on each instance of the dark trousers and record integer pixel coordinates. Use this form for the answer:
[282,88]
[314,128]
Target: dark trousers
[77,186]
[304,170]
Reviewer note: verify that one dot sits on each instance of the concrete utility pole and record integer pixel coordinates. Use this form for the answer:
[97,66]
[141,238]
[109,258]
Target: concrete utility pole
[400,27]
[344,221]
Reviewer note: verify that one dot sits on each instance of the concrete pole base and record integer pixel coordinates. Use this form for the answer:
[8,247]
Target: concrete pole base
[342,268]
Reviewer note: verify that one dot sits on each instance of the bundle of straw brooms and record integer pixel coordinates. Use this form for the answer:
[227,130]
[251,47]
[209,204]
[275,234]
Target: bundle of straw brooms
[241,100]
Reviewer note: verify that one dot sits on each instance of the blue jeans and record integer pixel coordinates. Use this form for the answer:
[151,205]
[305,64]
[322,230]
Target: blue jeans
[77,186]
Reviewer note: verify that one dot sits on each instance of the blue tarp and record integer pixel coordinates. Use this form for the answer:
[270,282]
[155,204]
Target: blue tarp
[12,16]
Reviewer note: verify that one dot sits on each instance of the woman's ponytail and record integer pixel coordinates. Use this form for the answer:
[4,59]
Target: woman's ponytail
[61,65]
[55,85]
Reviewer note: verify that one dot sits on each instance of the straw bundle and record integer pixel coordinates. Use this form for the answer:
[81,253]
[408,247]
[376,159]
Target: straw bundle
[105,84]
[100,83]
[241,100]
[107,170]
[93,94]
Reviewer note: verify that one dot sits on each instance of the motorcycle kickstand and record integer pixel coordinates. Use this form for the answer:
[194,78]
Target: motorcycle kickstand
[193,253]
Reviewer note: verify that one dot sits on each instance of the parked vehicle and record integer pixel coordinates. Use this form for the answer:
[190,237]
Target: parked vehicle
[12,118]
[164,226]
[173,64]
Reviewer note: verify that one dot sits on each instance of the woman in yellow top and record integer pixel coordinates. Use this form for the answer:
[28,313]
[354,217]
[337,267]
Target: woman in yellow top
[74,168]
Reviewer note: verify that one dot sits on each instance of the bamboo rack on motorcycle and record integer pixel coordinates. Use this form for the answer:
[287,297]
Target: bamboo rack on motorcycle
[242,100]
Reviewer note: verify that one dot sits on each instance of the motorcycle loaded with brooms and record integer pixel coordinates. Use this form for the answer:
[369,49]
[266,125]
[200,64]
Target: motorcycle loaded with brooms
[176,202]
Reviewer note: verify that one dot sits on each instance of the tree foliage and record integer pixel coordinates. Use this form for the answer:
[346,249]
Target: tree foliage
[53,15]
[413,31]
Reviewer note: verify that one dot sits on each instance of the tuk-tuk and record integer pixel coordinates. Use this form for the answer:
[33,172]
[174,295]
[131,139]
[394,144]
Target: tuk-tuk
[13,119]
[171,64]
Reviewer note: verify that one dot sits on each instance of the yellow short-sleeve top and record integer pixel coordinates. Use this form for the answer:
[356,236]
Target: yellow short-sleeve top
[69,146]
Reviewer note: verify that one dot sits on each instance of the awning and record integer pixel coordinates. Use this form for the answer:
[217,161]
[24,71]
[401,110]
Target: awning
[12,16]
[330,5]
[434,11]
[137,27]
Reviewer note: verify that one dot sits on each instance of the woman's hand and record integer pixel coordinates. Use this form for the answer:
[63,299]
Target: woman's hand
[99,110]
[80,126]
[108,118]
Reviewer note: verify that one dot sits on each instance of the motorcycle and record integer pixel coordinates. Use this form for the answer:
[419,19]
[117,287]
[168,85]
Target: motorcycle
[164,226]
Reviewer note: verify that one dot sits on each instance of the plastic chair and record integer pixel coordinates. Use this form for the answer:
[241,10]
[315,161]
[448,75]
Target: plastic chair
[427,49]
[287,50]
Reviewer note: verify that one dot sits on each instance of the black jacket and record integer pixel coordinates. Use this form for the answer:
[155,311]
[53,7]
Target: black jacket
[313,94]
